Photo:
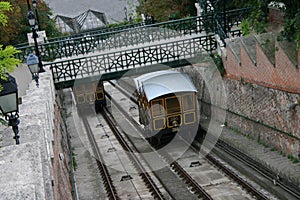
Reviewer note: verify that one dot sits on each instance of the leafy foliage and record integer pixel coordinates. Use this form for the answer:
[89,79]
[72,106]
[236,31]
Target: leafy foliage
[4,6]
[257,21]
[7,60]
[163,10]
[17,27]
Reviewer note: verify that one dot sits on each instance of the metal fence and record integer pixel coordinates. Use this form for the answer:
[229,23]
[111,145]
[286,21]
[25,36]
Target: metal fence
[128,35]
[147,56]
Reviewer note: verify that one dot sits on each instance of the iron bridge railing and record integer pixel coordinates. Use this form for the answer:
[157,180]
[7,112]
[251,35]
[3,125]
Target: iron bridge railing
[115,64]
[119,38]
[128,36]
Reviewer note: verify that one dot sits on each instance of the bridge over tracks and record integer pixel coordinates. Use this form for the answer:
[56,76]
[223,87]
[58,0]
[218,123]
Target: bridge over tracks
[109,55]
[114,64]
[113,38]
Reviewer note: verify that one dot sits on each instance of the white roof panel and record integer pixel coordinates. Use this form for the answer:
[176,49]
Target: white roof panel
[164,82]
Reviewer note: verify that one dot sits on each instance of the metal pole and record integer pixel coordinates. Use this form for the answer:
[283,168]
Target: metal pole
[13,121]
[28,4]
[224,12]
[35,35]
[37,52]
[37,19]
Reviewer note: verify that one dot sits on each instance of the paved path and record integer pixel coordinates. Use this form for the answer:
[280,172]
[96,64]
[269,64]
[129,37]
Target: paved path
[23,78]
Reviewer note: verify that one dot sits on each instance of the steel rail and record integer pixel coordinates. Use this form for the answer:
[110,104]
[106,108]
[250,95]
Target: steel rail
[260,168]
[108,183]
[215,162]
[130,152]
[248,187]
[173,164]
[196,188]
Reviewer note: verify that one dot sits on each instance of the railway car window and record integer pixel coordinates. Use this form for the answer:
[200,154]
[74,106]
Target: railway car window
[157,108]
[173,105]
[80,99]
[159,124]
[79,89]
[174,121]
[188,102]
[90,98]
[99,95]
[189,118]
[99,86]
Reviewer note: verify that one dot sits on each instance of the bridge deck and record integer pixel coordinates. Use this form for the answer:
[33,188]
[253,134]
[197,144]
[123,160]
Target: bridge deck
[113,64]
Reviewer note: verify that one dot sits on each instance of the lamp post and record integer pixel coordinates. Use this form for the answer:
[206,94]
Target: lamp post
[9,104]
[33,65]
[34,4]
[224,17]
[31,21]
[125,10]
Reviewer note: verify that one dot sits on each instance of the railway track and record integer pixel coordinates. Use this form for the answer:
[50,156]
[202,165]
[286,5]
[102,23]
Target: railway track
[173,184]
[113,181]
[286,185]
[264,171]
[107,181]
[157,194]
[195,187]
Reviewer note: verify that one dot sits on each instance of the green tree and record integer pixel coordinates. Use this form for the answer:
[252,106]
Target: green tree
[17,24]
[257,21]
[7,60]
[291,30]
[162,10]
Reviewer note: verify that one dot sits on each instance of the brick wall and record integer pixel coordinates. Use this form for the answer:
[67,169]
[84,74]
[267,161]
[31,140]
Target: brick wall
[276,16]
[264,114]
[283,74]
[260,92]
[259,112]
[61,170]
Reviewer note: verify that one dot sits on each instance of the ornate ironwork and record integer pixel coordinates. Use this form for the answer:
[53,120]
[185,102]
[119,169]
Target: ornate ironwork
[96,65]
[223,20]
[211,21]
[123,38]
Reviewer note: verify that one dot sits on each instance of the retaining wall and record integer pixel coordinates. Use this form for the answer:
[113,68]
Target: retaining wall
[258,112]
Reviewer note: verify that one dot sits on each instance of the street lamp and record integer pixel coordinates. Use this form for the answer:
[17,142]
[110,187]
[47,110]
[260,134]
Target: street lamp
[33,65]
[34,4]
[31,21]
[9,104]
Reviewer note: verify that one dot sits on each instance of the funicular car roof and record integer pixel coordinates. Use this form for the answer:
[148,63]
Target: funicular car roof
[159,83]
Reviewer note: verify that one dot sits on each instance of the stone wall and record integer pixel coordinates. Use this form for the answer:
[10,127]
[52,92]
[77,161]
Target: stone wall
[61,162]
[259,112]
[264,115]
[37,168]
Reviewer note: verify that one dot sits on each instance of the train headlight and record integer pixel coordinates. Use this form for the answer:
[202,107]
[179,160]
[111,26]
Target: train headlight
[174,121]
